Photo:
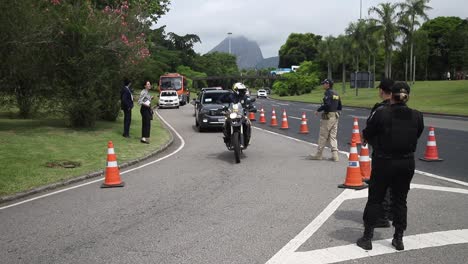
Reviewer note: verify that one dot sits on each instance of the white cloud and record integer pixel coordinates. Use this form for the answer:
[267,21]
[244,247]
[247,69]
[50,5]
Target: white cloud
[269,23]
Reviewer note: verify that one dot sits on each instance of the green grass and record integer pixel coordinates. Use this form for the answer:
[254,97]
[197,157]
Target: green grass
[442,97]
[27,145]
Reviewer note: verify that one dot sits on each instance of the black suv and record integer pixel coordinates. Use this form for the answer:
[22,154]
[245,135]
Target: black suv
[209,109]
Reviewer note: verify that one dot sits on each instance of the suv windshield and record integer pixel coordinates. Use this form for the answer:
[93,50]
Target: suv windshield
[172,83]
[212,98]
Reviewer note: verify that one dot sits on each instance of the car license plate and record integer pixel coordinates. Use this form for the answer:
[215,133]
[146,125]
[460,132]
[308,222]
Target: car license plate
[221,120]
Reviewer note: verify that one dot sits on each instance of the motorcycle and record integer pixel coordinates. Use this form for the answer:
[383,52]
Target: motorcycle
[237,129]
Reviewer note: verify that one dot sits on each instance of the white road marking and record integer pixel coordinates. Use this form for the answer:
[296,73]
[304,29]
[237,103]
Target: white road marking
[308,110]
[101,179]
[295,243]
[380,247]
[288,254]
[293,117]
[282,104]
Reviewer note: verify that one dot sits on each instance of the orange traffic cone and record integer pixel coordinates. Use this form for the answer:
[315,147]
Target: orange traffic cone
[284,122]
[262,117]
[431,148]
[364,162]
[304,129]
[273,118]
[356,136]
[112,178]
[353,173]
[252,116]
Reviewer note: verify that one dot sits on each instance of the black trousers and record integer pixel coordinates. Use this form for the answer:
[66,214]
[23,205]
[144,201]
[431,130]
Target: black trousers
[396,174]
[127,121]
[146,117]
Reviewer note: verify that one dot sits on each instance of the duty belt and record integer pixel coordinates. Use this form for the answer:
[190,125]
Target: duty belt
[393,156]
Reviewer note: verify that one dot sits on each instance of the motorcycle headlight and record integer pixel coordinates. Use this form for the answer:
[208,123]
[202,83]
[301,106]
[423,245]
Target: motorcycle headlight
[233,115]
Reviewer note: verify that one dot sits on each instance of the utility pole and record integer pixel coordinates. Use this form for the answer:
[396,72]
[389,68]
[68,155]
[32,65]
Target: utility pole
[229,37]
[360,10]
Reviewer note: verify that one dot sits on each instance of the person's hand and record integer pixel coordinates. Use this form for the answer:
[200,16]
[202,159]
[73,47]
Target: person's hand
[316,113]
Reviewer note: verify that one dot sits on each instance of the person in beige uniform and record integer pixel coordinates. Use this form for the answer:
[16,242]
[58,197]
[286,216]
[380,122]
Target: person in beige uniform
[330,109]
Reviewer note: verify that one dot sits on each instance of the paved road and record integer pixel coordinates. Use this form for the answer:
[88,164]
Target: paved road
[198,206]
[451,133]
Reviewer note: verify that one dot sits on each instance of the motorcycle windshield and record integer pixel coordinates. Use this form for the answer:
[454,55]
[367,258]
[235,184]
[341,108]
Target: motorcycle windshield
[236,108]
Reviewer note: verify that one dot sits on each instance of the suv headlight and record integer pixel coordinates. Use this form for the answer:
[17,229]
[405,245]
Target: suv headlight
[233,115]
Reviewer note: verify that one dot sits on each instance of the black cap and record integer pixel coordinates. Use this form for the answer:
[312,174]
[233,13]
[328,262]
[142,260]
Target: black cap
[400,87]
[386,84]
[330,82]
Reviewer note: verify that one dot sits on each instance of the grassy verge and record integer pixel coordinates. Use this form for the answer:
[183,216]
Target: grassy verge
[28,145]
[442,97]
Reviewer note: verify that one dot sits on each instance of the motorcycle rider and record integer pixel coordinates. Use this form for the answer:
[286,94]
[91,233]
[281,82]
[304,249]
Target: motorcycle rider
[239,95]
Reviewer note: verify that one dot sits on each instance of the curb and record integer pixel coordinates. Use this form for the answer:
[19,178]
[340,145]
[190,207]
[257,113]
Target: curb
[95,174]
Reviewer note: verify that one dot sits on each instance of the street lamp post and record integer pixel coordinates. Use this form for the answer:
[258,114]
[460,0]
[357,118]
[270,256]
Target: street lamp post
[229,38]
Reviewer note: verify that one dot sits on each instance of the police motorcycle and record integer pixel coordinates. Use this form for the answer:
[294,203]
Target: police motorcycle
[237,127]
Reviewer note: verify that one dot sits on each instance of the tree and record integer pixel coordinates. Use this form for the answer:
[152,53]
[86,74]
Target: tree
[413,9]
[458,58]
[299,48]
[439,30]
[343,45]
[387,23]
[327,50]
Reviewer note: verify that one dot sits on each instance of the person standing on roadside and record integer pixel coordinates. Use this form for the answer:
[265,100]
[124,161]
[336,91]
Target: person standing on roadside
[385,93]
[126,104]
[393,132]
[331,108]
[146,112]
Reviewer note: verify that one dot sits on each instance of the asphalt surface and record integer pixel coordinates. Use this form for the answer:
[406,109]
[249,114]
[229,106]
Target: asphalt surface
[198,206]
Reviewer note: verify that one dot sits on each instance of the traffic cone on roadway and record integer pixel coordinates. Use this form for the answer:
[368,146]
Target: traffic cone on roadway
[112,178]
[252,116]
[262,117]
[353,172]
[284,122]
[273,118]
[364,162]
[356,136]
[304,129]
[431,148]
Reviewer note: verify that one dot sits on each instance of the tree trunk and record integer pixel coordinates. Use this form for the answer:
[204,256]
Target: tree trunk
[414,70]
[343,78]
[329,75]
[368,71]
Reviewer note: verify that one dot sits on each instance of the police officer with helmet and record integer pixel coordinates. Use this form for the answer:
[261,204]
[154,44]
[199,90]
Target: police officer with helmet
[393,132]
[329,121]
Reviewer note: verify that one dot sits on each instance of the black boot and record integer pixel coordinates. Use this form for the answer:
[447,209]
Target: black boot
[397,241]
[365,242]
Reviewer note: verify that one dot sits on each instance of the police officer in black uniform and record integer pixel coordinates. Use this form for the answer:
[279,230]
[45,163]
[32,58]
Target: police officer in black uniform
[393,132]
[385,94]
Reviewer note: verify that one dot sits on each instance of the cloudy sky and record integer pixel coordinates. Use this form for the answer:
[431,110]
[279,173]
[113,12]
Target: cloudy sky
[269,23]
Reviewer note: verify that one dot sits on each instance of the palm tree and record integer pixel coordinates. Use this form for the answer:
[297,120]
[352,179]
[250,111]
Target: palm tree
[357,34]
[327,53]
[387,24]
[413,9]
[343,45]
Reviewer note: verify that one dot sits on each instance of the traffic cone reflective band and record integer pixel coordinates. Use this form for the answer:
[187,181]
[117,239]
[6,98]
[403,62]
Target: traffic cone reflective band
[431,148]
[364,162]
[112,178]
[304,129]
[251,116]
[353,172]
[284,122]
[273,122]
[356,136]
[262,117]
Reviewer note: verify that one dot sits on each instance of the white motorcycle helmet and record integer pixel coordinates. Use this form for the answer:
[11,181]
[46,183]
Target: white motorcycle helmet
[239,88]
